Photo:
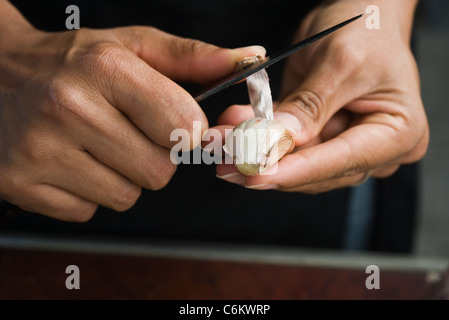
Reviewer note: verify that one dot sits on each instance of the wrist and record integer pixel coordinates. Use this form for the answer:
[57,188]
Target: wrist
[14,28]
[395,15]
[18,45]
[399,13]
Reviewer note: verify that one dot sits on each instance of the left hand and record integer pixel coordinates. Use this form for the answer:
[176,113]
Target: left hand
[352,99]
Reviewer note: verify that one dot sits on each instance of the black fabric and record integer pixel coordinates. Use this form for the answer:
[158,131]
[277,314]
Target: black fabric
[396,211]
[196,205]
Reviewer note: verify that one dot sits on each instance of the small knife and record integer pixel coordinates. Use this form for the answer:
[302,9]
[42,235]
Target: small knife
[237,76]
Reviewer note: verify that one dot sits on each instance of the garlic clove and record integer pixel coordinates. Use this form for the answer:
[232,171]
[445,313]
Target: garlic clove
[284,146]
[248,169]
[257,144]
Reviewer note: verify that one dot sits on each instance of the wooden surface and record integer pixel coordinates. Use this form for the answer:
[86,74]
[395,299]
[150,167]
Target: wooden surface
[40,274]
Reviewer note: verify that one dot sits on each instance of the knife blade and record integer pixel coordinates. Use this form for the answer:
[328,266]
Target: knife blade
[237,76]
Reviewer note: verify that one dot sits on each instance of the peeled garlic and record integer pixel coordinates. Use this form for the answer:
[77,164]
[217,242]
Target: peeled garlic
[256,144]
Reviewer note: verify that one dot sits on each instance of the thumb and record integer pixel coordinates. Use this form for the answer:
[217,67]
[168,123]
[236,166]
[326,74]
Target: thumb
[307,110]
[183,59]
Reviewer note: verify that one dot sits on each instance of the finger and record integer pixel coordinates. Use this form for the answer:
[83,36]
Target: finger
[235,115]
[369,145]
[343,182]
[223,169]
[183,59]
[78,173]
[56,203]
[384,171]
[332,184]
[229,173]
[336,125]
[215,137]
[153,103]
[117,143]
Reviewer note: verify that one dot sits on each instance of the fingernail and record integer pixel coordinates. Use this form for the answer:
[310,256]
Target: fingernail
[253,50]
[233,177]
[263,187]
[290,121]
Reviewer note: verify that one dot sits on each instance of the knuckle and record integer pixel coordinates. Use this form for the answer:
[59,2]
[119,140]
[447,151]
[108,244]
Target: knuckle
[384,172]
[57,93]
[184,120]
[307,103]
[162,176]
[83,212]
[314,190]
[77,211]
[195,47]
[345,56]
[66,104]
[105,58]
[126,198]
[60,100]
[414,135]
[145,30]
[194,122]
[74,53]
[420,149]
[94,54]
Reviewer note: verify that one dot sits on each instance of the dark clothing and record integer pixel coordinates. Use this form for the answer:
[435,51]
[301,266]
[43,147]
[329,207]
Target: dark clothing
[196,205]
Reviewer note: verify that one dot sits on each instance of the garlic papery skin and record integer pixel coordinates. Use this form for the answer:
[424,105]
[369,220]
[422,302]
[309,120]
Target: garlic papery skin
[258,89]
[256,144]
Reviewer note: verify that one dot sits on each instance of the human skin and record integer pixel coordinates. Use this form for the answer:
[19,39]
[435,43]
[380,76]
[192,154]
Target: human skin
[86,115]
[352,101]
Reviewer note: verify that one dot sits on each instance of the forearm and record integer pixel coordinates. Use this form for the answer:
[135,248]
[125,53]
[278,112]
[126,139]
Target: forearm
[19,46]
[12,24]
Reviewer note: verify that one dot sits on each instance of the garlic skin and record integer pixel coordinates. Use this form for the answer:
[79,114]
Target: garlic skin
[256,144]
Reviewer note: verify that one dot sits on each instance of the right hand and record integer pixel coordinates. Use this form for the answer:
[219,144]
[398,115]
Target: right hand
[86,115]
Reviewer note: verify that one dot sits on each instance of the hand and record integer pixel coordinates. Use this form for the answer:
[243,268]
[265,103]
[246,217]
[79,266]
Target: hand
[86,116]
[352,100]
